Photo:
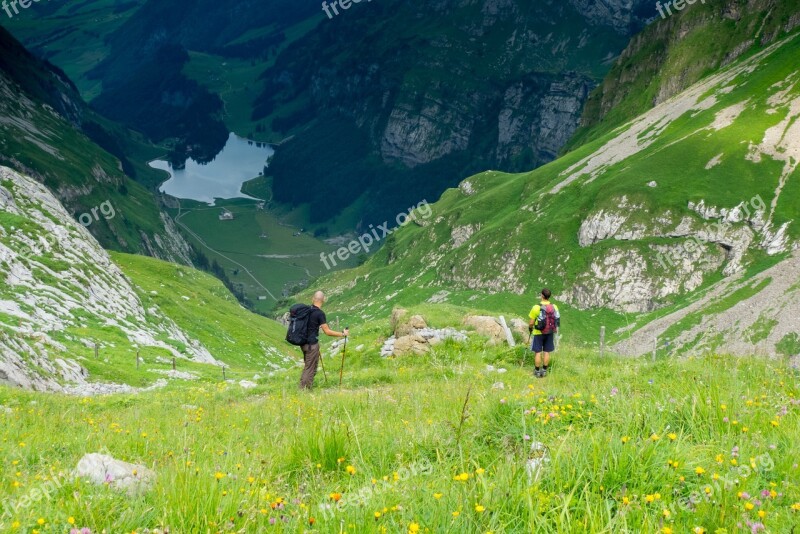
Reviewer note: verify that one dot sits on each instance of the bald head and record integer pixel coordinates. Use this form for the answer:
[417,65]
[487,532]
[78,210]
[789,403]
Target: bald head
[319,299]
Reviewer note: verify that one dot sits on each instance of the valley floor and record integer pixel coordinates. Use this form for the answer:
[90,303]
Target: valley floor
[434,444]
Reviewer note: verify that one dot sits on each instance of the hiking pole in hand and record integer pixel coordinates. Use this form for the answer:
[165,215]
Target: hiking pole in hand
[527,348]
[344,351]
[322,363]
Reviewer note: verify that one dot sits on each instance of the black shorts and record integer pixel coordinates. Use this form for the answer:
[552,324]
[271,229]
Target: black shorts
[544,343]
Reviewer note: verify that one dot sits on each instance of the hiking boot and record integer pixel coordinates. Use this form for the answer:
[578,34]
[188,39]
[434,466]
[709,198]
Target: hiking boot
[538,373]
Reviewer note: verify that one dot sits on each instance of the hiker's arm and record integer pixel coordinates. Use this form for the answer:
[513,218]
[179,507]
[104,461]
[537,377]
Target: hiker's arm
[333,333]
[533,315]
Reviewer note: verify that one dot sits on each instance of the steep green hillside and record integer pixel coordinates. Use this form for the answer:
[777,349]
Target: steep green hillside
[677,51]
[203,308]
[71,320]
[46,131]
[72,35]
[703,187]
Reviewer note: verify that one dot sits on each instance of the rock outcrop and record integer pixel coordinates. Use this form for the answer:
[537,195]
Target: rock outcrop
[57,278]
[102,469]
[487,326]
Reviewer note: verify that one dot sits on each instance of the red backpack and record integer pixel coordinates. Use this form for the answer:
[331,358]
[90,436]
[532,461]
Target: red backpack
[547,323]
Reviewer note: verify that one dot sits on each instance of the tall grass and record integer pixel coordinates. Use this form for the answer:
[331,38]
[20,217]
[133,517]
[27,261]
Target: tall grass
[633,446]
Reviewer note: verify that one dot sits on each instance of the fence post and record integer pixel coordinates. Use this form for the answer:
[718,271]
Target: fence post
[655,347]
[507,330]
[223,373]
[137,359]
[602,341]
[173,363]
[96,351]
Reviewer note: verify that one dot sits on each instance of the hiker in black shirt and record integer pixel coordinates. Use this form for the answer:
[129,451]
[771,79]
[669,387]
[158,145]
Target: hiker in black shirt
[311,354]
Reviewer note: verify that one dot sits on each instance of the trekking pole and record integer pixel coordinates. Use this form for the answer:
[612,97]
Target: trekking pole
[527,348]
[344,351]
[322,363]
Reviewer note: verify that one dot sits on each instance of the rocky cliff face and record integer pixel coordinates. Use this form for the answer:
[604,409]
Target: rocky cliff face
[497,84]
[57,282]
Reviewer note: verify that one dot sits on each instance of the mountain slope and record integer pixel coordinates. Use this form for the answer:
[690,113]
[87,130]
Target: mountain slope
[396,101]
[385,105]
[44,132]
[644,219]
[62,296]
[669,56]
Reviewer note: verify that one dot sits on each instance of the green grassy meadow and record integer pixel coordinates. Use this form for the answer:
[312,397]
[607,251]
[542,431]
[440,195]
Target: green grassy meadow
[282,262]
[427,444]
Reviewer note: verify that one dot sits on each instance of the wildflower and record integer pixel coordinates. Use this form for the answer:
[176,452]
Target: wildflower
[377,515]
[625,439]
[437,495]
[699,530]
[666,512]
[219,476]
[350,470]
[762,514]
[774,422]
[456,514]
[340,460]
[719,459]
[413,528]
[71,520]
[626,500]
[666,530]
[16,524]
[463,477]
[655,437]
[311,521]
[40,521]
[336,496]
[796,507]
[672,436]
[650,498]
[748,506]
[480,471]
[699,470]
[479,508]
